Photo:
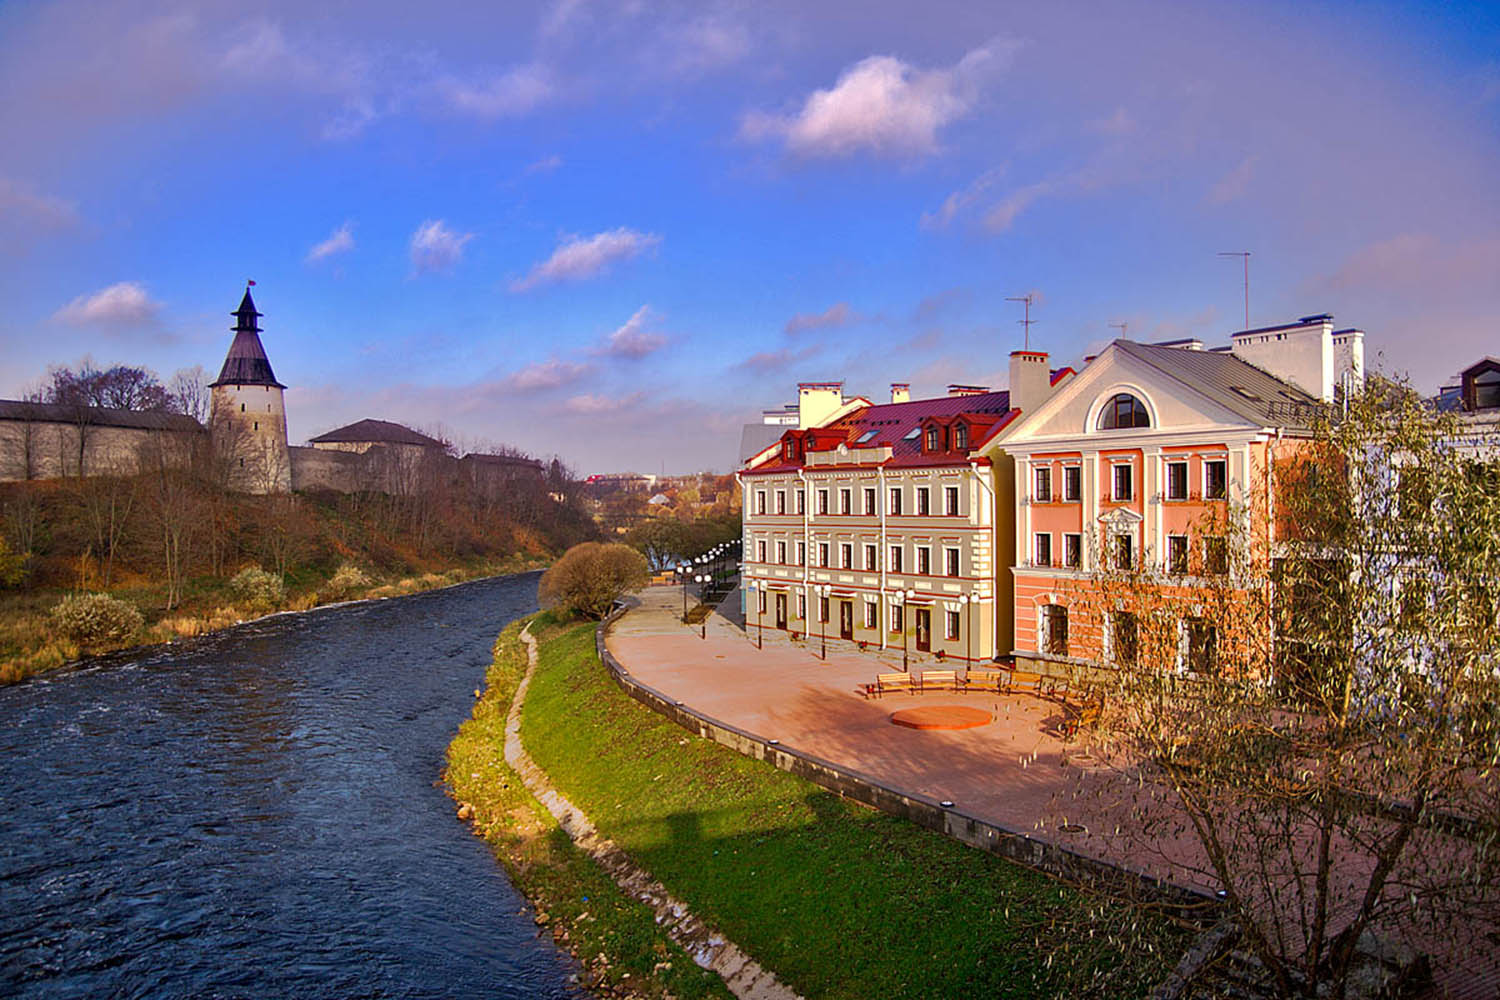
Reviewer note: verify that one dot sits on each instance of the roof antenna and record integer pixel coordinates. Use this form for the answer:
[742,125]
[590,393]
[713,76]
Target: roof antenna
[1121,327]
[1245,254]
[1025,323]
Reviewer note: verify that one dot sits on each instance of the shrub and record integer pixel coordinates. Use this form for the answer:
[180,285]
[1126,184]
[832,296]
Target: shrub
[258,588]
[591,577]
[92,619]
[12,566]
[346,579]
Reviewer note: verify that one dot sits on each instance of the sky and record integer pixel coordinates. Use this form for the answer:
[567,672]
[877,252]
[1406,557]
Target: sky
[616,231]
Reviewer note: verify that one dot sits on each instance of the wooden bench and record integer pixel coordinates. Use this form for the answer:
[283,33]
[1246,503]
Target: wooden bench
[937,680]
[891,684]
[1024,682]
[986,681]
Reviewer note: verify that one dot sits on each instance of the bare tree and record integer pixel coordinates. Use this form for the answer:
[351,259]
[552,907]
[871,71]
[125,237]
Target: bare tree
[188,393]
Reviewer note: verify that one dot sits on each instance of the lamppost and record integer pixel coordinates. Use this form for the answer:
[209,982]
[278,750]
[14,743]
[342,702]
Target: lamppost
[682,571]
[702,579]
[823,590]
[966,603]
[758,592]
[899,598]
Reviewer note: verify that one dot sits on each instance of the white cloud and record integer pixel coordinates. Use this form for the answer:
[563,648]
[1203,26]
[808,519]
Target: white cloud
[709,42]
[580,257]
[514,92]
[341,240]
[588,403]
[545,165]
[1234,184]
[544,375]
[632,339]
[435,247]
[122,304]
[835,315]
[882,105]
[959,201]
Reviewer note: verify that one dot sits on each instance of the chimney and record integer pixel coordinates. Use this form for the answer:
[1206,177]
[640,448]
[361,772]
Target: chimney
[900,392]
[817,401]
[1306,353]
[1030,380]
[967,390]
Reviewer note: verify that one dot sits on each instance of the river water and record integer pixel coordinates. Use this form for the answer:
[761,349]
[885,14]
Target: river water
[255,814]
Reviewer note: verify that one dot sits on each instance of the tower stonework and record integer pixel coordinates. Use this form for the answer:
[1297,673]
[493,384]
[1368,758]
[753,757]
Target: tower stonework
[247,413]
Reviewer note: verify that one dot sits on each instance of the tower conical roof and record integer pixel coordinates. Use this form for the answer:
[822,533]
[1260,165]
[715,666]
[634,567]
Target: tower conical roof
[246,363]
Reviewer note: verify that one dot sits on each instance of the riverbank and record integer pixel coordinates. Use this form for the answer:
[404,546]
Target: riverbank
[837,900]
[29,645]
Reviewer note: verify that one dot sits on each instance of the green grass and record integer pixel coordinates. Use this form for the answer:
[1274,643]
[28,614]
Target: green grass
[838,900]
[615,937]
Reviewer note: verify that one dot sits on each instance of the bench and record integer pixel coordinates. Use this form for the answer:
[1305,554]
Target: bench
[891,684]
[1024,682]
[989,681]
[937,680]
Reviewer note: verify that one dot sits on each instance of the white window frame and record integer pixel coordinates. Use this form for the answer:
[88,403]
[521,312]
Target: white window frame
[895,501]
[870,496]
[950,501]
[924,501]
[846,555]
[1114,481]
[896,561]
[1222,463]
[1041,545]
[1041,484]
[951,625]
[1077,539]
[1171,466]
[952,565]
[924,560]
[872,557]
[1072,483]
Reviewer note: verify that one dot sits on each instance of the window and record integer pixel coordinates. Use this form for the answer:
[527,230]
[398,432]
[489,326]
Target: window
[961,437]
[1177,554]
[897,616]
[924,496]
[1124,638]
[924,560]
[846,556]
[802,606]
[950,625]
[781,553]
[1123,410]
[823,610]
[1073,551]
[1043,549]
[1216,556]
[801,503]
[781,501]
[950,501]
[951,559]
[895,559]
[242,407]
[1124,482]
[1043,491]
[1177,473]
[1054,630]
[789,451]
[801,553]
[760,550]
[872,614]
[762,604]
[932,439]
[1215,479]
[870,503]
[822,501]
[760,501]
[1200,640]
[1073,483]
[895,501]
[1124,551]
[823,554]
[872,562]
[846,506]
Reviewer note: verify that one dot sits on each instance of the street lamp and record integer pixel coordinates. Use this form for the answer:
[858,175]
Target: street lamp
[823,590]
[966,602]
[756,591]
[702,579]
[899,598]
[682,571]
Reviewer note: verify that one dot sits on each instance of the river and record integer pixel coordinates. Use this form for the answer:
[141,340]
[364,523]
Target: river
[256,814]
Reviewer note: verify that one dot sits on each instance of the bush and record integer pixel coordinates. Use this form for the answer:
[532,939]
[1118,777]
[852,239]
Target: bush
[92,619]
[347,579]
[12,566]
[591,577]
[258,588]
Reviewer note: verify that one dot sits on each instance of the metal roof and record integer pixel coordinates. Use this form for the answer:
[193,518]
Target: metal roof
[377,432]
[96,416]
[1232,382]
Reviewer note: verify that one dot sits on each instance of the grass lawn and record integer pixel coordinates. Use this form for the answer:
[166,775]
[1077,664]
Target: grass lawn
[837,900]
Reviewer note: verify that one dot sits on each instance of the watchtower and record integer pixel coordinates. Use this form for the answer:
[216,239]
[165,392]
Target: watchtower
[247,412]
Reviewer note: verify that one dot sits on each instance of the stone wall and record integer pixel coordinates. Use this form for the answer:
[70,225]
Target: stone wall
[320,469]
[51,450]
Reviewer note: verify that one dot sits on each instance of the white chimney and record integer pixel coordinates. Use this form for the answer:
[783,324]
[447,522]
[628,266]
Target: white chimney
[817,401]
[1030,380]
[955,389]
[900,392]
[1303,353]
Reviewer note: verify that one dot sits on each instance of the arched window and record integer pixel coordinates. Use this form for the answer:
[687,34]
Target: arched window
[1123,410]
[1054,630]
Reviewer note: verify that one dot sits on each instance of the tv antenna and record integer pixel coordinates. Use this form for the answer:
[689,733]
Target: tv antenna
[1121,327]
[1245,255]
[1026,322]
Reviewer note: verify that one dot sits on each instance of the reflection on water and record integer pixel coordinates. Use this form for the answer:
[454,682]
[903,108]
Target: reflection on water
[255,814]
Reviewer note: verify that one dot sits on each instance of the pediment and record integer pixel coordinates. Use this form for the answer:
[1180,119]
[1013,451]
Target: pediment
[1120,517]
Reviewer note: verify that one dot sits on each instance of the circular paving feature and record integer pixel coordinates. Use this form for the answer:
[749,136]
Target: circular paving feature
[941,717]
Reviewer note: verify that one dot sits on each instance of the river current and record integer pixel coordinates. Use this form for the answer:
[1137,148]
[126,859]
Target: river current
[256,814]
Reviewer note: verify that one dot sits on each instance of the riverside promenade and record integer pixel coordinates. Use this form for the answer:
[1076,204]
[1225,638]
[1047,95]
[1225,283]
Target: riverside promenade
[1015,772]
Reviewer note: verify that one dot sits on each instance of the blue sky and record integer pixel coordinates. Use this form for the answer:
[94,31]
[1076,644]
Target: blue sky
[616,231]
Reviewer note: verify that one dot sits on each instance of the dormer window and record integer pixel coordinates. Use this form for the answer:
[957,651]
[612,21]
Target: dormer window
[961,437]
[789,451]
[1123,410]
[932,439]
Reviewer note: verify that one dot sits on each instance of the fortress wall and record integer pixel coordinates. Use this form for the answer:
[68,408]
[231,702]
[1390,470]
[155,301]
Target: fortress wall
[50,450]
[326,469]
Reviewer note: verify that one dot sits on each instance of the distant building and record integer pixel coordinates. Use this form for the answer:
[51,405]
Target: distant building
[817,402]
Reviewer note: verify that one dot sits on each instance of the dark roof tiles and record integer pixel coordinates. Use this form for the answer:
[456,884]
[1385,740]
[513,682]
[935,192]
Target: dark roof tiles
[1232,382]
[376,432]
[96,416]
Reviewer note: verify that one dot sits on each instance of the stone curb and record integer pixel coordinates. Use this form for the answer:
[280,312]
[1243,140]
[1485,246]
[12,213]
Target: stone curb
[708,948]
[1020,846]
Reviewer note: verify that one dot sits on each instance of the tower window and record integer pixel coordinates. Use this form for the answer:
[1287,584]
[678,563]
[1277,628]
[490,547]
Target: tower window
[242,407]
[257,425]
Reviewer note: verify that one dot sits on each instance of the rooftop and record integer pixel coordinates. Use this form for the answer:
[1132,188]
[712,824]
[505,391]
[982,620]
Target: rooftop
[377,432]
